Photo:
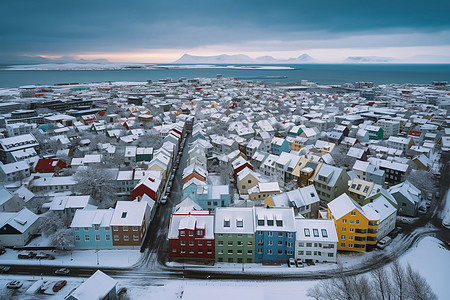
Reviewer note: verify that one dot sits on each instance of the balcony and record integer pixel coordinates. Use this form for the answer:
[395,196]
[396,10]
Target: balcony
[361,231]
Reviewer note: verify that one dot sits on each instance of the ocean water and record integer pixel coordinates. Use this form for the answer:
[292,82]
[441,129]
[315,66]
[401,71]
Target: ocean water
[320,73]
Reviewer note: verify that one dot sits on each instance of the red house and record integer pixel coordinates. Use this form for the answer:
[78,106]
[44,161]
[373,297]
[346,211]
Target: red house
[240,164]
[191,236]
[45,165]
[149,186]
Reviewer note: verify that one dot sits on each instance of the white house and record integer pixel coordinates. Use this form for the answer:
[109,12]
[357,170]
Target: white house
[316,240]
[17,228]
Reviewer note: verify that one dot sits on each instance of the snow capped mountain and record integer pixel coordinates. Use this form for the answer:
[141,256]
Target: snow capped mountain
[241,59]
[368,59]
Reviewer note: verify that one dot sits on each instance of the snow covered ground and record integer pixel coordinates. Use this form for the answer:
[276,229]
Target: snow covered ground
[80,258]
[445,214]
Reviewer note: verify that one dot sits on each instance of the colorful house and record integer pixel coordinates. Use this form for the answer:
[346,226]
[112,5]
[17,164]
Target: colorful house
[375,132]
[45,165]
[191,236]
[92,228]
[356,226]
[331,182]
[279,145]
[235,235]
[275,234]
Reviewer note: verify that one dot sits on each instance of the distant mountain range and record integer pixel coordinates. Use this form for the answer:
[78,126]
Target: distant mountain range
[368,59]
[241,59]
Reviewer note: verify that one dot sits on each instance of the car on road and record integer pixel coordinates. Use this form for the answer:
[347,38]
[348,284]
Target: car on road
[15,284]
[26,255]
[384,242]
[422,209]
[299,263]
[59,285]
[62,271]
[164,200]
[291,262]
[4,269]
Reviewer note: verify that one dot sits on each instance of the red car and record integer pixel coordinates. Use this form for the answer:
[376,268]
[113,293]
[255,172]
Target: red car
[59,285]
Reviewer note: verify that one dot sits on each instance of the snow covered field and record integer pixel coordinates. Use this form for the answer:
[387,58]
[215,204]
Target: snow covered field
[79,258]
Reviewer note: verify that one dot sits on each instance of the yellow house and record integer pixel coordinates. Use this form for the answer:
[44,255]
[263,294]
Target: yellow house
[356,226]
[306,171]
[246,179]
[360,189]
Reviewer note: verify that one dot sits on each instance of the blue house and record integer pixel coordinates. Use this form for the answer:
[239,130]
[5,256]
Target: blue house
[207,196]
[91,229]
[279,145]
[275,234]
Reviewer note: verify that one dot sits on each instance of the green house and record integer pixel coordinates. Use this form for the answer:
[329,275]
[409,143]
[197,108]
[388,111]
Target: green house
[375,132]
[234,235]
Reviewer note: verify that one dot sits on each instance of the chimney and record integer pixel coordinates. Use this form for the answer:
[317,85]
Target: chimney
[132,176]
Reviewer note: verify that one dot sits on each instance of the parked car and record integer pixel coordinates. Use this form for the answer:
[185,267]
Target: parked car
[299,263]
[62,271]
[291,262]
[45,286]
[164,200]
[26,255]
[59,285]
[4,269]
[395,232]
[41,255]
[15,284]
[384,242]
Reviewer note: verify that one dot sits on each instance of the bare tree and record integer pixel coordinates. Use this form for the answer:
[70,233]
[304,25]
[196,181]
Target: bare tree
[97,182]
[382,284]
[418,287]
[423,180]
[62,239]
[398,277]
[341,159]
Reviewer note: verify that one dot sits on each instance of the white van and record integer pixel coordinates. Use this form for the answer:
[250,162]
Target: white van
[384,242]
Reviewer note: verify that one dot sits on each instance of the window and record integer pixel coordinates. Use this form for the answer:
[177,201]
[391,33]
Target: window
[96,227]
[280,243]
[182,243]
[191,251]
[324,233]
[135,237]
[330,254]
[280,234]
[316,232]
[308,244]
[344,221]
[239,251]
[125,228]
[199,232]
[239,243]
[77,238]
[174,250]
[260,251]
[220,251]
[87,238]
[269,222]
[191,243]
[352,221]
[97,237]
[290,235]
[301,244]
[76,228]
[279,223]
[108,237]
[183,250]
[249,181]
[200,251]
[249,252]
[350,245]
[300,252]
[200,243]
[260,222]
[357,222]
[270,233]
[230,243]
[352,229]
[289,244]
[270,243]
[307,234]
[343,237]
[230,251]
[116,237]
[209,243]
[239,223]
[126,237]
[269,252]
[191,233]
[249,243]
[350,238]
[107,228]
[308,252]
[182,233]
[135,228]
[86,228]
[353,213]
[220,243]
[344,229]
[124,215]
[343,245]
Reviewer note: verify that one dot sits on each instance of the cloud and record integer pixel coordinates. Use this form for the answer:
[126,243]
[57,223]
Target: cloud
[58,27]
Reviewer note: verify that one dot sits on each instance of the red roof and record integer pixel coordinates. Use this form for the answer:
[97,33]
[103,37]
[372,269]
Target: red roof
[414,133]
[49,165]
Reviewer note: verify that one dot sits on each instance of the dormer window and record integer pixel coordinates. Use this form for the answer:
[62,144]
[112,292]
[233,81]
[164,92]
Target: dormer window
[199,232]
[279,223]
[239,223]
[124,215]
[270,222]
[307,233]
[260,222]
[226,223]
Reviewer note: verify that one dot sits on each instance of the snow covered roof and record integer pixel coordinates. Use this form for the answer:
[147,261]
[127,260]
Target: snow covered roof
[20,221]
[408,190]
[25,193]
[63,202]
[382,206]
[98,286]
[275,219]
[186,206]
[319,230]
[14,167]
[197,219]
[90,217]
[234,220]
[343,205]
[128,213]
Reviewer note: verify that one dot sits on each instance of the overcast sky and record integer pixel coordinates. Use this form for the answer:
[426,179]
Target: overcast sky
[161,31]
